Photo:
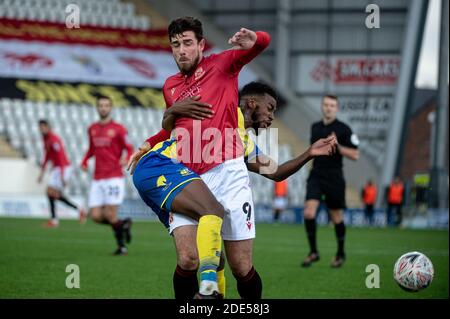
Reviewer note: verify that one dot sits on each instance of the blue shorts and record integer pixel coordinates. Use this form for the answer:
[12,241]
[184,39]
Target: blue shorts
[158,180]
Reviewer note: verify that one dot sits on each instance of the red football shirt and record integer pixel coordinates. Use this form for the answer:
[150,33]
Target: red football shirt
[54,152]
[107,141]
[202,145]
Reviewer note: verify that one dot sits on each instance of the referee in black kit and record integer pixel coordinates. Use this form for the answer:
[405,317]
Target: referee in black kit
[326,180]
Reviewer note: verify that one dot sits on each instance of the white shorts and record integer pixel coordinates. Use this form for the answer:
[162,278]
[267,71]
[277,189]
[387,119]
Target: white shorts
[55,177]
[108,191]
[280,203]
[230,184]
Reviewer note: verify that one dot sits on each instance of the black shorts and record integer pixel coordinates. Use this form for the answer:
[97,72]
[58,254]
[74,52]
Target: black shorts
[327,185]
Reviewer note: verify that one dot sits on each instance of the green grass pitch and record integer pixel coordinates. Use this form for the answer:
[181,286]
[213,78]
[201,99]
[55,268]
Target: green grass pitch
[33,261]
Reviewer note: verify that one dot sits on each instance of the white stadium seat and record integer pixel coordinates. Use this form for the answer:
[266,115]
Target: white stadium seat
[109,13]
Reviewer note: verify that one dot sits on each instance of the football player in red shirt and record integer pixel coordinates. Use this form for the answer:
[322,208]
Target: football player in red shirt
[60,173]
[258,103]
[107,141]
[215,79]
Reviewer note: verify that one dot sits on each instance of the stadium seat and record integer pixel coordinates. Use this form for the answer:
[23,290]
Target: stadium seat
[115,21]
[143,23]
[21,13]
[6,114]
[97,13]
[127,9]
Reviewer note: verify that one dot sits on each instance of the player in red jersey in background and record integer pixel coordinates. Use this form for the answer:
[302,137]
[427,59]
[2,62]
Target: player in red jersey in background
[107,141]
[60,173]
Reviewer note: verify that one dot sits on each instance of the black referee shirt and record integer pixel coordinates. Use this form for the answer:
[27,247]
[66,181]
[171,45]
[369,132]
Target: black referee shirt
[345,137]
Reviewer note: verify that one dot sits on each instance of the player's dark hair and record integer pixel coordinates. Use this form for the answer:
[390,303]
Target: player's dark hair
[99,97]
[331,96]
[180,25]
[44,122]
[257,88]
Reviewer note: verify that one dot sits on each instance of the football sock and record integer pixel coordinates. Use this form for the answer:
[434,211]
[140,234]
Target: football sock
[51,201]
[249,286]
[67,202]
[340,236]
[185,283]
[310,225]
[118,233]
[209,245]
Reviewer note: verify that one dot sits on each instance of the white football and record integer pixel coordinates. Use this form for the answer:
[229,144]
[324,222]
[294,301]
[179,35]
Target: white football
[413,271]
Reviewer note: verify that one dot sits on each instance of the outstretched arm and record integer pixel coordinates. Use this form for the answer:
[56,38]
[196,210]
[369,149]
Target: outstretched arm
[247,44]
[267,167]
[265,164]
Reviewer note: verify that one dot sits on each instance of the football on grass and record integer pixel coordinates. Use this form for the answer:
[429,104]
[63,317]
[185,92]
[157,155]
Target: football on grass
[413,271]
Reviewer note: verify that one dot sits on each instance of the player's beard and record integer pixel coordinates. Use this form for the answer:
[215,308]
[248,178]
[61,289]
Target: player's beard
[255,122]
[104,116]
[188,69]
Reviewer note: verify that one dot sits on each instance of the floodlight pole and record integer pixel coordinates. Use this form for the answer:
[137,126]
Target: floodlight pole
[410,56]
[282,51]
[439,175]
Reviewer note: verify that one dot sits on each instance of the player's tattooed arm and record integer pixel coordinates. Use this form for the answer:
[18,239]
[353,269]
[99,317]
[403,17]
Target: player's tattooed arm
[190,107]
[267,167]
